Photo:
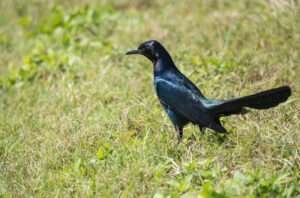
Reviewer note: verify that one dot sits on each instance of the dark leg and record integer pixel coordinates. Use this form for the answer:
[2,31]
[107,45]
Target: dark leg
[179,131]
[202,129]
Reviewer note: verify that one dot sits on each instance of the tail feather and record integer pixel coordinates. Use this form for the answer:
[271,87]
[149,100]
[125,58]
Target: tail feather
[261,100]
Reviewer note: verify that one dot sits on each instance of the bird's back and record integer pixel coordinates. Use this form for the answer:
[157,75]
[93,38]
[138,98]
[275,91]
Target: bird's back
[177,78]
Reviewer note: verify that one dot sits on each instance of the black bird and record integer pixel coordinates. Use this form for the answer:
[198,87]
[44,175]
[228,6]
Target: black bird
[184,102]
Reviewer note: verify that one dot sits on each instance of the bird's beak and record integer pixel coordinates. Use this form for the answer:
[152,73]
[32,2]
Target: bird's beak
[133,52]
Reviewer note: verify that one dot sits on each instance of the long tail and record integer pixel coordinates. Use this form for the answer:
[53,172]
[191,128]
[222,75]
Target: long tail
[261,100]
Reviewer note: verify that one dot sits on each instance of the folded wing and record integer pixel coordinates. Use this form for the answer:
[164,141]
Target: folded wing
[182,100]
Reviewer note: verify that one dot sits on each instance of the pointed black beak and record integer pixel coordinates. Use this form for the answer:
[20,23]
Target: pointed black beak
[133,52]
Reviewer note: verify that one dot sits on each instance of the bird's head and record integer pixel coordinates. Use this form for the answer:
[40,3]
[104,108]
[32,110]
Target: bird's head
[152,49]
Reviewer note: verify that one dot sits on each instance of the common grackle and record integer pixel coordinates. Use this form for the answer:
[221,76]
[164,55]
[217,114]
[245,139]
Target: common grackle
[184,102]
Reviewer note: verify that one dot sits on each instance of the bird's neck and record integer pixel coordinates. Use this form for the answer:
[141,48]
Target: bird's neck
[164,63]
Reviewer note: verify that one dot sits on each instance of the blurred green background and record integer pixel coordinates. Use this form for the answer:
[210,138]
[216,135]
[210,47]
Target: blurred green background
[80,119]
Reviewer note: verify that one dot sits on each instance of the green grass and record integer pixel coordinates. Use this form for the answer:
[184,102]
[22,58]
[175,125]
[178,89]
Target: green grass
[79,118]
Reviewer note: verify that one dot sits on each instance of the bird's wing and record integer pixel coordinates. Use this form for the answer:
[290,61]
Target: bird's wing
[183,100]
[191,86]
[180,78]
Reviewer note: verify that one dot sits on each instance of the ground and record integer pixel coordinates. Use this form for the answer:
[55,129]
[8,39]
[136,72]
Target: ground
[79,118]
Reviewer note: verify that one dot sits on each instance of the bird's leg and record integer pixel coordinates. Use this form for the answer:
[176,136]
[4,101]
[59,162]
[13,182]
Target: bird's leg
[179,131]
[202,129]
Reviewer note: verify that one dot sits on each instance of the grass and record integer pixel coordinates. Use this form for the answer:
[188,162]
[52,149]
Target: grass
[78,118]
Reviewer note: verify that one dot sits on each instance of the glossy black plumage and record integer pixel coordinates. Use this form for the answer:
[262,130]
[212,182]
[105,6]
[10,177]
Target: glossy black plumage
[184,102]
